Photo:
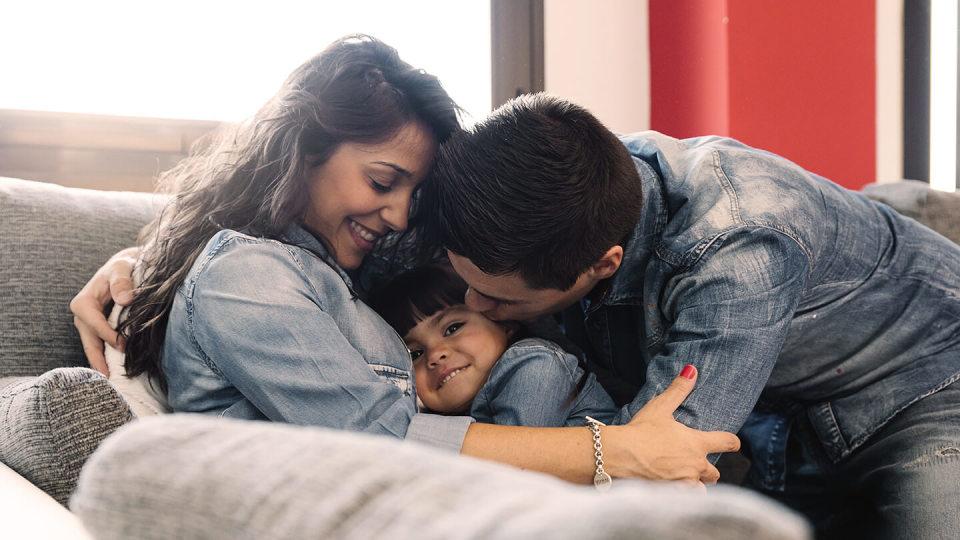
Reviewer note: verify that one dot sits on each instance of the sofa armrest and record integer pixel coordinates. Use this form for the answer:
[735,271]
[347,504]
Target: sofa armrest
[28,512]
[190,476]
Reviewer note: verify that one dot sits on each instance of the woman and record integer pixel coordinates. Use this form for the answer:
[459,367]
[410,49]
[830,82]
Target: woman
[247,307]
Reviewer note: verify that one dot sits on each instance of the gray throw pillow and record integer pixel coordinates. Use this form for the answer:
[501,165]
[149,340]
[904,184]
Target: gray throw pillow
[52,423]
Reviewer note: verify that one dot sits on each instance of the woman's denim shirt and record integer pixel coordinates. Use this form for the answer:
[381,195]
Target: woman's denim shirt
[263,329]
[781,287]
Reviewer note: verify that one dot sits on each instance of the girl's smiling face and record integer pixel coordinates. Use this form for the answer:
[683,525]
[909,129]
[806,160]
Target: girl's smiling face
[453,352]
[363,191]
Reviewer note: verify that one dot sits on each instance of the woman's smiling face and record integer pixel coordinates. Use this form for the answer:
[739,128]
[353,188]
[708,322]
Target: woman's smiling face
[363,191]
[453,352]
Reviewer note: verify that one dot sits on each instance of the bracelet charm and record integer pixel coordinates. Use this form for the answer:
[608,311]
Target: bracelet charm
[601,480]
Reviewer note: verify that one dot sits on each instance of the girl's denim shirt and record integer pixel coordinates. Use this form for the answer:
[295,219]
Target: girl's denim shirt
[264,329]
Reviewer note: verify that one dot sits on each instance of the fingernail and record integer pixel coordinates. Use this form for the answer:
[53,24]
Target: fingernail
[688,371]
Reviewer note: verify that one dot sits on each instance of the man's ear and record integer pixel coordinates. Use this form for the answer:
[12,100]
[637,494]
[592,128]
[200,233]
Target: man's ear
[608,264]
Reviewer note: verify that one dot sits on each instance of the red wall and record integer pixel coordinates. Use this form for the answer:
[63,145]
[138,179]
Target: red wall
[796,78]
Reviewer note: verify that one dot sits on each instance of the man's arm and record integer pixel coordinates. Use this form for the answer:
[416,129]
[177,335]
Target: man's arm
[731,314]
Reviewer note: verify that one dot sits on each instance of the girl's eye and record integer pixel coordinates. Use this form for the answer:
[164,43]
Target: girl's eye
[415,353]
[380,187]
[452,329]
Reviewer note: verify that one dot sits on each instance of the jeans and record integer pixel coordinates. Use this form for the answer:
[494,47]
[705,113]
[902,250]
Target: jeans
[904,482]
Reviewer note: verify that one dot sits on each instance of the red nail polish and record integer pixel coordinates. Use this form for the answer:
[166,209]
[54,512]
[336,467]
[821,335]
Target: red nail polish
[688,371]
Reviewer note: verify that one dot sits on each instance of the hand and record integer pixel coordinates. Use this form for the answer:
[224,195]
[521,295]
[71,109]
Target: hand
[112,282]
[653,445]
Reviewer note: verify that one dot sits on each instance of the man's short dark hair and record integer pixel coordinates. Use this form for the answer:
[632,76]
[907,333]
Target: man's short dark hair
[540,187]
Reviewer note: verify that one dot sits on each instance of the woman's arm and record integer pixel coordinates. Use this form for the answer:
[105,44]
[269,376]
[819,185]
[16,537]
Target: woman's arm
[652,445]
[113,282]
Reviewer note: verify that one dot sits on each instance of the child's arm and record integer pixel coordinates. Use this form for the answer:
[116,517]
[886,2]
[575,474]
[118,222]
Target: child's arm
[533,384]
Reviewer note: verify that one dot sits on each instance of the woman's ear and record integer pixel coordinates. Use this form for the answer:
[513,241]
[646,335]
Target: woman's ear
[608,264]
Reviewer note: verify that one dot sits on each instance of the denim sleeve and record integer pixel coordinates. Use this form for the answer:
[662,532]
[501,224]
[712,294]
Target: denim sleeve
[731,314]
[531,385]
[258,322]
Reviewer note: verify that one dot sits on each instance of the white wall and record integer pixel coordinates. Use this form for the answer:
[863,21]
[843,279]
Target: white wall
[597,54]
[889,90]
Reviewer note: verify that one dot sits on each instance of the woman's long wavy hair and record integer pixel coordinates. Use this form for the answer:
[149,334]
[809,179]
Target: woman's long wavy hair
[253,177]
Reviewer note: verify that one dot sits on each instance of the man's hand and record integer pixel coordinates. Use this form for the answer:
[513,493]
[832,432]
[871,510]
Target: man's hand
[655,446]
[112,283]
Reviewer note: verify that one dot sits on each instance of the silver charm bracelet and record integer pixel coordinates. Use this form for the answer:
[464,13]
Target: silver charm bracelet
[601,480]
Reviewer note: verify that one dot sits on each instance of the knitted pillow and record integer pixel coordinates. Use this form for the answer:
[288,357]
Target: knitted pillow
[49,425]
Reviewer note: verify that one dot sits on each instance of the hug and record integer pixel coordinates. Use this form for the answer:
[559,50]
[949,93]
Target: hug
[594,306]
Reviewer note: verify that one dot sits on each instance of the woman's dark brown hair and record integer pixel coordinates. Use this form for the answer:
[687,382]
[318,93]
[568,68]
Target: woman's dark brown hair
[252,178]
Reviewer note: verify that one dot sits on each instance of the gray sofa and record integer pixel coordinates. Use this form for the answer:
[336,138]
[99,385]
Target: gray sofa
[196,477]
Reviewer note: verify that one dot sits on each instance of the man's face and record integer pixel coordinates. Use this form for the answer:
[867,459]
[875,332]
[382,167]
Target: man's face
[508,297]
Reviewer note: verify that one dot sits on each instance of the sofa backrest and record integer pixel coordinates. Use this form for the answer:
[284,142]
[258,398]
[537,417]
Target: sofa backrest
[52,239]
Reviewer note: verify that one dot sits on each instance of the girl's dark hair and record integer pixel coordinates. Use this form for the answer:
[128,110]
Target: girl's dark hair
[252,178]
[417,294]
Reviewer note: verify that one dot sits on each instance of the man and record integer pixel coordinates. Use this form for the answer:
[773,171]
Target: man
[832,318]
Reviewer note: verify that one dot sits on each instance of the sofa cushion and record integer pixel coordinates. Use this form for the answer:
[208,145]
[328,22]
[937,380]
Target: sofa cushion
[938,210]
[53,239]
[50,424]
[193,476]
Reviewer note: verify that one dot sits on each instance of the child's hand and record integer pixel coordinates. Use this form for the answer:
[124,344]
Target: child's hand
[653,445]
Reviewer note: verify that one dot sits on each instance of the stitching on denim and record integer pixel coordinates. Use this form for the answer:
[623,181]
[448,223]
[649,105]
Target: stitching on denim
[727,187]
[863,438]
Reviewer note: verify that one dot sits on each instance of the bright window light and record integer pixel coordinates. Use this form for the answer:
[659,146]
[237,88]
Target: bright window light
[219,60]
[943,94]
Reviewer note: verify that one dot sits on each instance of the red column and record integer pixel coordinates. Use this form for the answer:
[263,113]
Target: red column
[795,78]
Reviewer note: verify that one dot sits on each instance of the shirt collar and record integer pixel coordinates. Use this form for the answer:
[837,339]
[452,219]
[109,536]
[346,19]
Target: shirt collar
[626,285]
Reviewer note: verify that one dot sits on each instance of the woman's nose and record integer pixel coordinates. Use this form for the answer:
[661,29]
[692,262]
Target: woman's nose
[397,212]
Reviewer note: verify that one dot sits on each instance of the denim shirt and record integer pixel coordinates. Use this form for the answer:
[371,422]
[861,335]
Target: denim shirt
[783,288]
[536,383]
[263,329]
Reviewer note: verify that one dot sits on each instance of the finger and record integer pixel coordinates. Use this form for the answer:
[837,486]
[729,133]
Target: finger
[710,474]
[676,393]
[93,349]
[89,314]
[121,289]
[718,442]
[121,281]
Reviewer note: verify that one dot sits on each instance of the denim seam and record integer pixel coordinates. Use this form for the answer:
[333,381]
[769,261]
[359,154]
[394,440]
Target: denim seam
[855,443]
[727,187]
[556,355]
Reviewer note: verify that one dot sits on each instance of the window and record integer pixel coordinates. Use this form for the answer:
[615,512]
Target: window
[219,60]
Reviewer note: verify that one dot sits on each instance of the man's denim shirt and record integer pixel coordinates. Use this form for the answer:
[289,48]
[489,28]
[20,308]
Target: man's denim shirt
[263,329]
[780,286]
[535,383]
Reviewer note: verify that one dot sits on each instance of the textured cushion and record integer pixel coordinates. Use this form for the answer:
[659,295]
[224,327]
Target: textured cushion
[49,425]
[52,239]
[191,476]
[938,210]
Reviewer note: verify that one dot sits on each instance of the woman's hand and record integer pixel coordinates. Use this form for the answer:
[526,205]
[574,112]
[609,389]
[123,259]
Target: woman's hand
[655,446]
[112,282]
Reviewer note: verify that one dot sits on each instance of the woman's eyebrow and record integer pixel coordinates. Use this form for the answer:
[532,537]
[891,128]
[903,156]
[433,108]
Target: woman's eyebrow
[400,170]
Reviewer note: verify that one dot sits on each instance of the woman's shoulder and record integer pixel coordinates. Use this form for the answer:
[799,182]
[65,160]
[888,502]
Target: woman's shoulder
[236,259]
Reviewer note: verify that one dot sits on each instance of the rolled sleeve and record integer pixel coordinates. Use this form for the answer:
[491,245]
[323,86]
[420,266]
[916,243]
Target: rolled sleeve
[446,432]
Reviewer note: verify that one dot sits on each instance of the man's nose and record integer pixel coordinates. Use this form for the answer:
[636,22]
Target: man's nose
[478,302]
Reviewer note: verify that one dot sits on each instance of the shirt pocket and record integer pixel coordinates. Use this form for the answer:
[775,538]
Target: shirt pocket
[398,377]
